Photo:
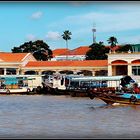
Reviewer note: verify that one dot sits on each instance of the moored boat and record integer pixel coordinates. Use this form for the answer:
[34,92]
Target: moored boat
[57,84]
[16,84]
[80,86]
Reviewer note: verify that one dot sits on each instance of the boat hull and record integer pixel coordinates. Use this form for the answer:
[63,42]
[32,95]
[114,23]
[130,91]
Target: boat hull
[15,91]
[121,98]
[78,93]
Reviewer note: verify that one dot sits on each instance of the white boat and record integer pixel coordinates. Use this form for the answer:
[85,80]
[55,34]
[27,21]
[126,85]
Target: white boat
[58,84]
[13,84]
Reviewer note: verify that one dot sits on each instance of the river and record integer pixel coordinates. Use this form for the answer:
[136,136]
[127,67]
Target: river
[47,116]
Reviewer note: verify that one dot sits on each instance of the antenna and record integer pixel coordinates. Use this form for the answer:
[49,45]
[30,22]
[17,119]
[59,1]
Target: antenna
[94,30]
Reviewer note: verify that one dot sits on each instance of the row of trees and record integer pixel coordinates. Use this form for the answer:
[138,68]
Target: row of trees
[99,51]
[42,52]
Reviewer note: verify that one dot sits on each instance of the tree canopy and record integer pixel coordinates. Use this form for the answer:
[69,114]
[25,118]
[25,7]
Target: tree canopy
[112,41]
[40,50]
[97,52]
[125,48]
[66,36]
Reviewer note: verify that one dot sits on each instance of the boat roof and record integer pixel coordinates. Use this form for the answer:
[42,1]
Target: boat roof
[97,78]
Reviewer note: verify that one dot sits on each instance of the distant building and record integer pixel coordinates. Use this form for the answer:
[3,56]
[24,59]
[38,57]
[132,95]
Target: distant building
[75,54]
[127,63]
[12,63]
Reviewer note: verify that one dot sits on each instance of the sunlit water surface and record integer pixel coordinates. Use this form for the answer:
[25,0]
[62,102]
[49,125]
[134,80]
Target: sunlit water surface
[38,116]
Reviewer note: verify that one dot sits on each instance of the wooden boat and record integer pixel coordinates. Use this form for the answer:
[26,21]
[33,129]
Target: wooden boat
[116,97]
[111,95]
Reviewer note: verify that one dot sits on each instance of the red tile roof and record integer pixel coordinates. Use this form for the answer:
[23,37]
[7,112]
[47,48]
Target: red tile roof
[85,63]
[78,51]
[60,51]
[82,50]
[12,57]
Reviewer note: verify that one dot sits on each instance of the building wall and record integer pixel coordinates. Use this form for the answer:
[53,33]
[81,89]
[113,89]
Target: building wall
[127,57]
[68,57]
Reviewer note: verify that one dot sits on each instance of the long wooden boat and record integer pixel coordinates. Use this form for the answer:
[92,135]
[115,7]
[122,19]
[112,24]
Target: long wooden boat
[116,97]
[129,93]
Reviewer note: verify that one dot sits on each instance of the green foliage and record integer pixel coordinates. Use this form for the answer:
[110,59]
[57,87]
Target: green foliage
[125,48]
[112,41]
[66,35]
[97,52]
[38,48]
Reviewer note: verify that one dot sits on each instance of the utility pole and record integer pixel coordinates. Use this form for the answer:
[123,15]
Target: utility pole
[94,37]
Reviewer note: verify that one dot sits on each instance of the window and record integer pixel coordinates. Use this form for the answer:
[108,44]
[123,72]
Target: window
[136,70]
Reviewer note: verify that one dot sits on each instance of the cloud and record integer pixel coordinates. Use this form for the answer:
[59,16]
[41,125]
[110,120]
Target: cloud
[36,15]
[105,21]
[53,35]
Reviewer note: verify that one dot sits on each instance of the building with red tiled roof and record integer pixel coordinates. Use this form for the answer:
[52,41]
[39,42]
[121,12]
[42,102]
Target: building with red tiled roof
[59,51]
[88,63]
[14,57]
[82,50]
[127,63]
[75,66]
[75,54]
[11,63]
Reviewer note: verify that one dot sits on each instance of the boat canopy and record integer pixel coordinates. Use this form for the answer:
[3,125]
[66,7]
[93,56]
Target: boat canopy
[97,78]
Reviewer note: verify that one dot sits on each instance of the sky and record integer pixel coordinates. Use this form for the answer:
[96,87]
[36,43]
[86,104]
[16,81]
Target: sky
[25,21]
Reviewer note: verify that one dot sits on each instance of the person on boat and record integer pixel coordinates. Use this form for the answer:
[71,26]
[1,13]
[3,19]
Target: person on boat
[126,83]
[136,89]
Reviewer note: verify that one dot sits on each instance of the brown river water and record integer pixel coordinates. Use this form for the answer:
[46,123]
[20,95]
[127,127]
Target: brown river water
[47,116]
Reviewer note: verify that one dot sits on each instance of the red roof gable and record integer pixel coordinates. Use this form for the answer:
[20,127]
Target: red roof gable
[60,51]
[78,51]
[12,57]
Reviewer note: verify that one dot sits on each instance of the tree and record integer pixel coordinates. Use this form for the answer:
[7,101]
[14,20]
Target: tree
[66,36]
[125,48]
[97,52]
[38,48]
[112,41]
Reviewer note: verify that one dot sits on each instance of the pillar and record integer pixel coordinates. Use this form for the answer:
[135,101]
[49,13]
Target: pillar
[129,70]
[5,71]
[39,72]
[75,72]
[93,73]
[17,71]
[22,72]
[109,70]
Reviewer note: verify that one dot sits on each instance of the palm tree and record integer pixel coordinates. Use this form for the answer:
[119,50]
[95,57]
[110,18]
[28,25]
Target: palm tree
[66,36]
[112,41]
